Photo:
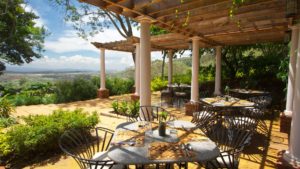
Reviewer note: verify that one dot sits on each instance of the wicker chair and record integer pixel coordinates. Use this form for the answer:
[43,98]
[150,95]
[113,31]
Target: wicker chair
[89,148]
[231,143]
[166,95]
[204,119]
[150,113]
[261,102]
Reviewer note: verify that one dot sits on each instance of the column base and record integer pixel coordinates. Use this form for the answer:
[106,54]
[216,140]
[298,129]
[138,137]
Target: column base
[190,108]
[285,123]
[103,93]
[286,162]
[135,97]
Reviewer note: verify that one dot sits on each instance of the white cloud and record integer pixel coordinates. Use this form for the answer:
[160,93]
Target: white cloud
[39,22]
[71,42]
[115,61]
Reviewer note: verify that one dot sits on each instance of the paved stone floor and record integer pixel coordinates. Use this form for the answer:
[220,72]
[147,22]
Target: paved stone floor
[258,155]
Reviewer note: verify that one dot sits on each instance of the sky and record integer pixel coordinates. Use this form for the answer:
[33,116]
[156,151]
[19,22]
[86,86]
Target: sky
[64,50]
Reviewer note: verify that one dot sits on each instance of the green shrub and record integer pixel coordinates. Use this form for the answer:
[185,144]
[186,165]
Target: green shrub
[133,108]
[158,84]
[75,90]
[40,134]
[123,107]
[5,107]
[6,122]
[115,106]
[118,86]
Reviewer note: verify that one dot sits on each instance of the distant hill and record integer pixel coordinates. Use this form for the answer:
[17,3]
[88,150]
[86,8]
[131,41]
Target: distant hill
[180,66]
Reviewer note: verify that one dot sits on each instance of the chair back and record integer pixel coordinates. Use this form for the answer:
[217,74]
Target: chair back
[82,145]
[261,102]
[231,143]
[151,113]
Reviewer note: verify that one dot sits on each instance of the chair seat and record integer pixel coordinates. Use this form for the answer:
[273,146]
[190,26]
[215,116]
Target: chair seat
[226,161]
[102,156]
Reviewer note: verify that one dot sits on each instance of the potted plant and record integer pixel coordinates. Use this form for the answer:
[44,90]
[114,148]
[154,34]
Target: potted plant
[226,90]
[162,117]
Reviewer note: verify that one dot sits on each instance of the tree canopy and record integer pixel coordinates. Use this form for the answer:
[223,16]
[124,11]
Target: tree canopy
[20,39]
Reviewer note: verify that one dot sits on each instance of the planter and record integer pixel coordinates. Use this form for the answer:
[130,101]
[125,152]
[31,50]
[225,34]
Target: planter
[162,129]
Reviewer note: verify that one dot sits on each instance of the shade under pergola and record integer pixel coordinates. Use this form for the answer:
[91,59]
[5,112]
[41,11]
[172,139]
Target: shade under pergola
[207,23]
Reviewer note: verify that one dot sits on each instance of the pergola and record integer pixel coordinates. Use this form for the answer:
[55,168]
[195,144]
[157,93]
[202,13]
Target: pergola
[207,23]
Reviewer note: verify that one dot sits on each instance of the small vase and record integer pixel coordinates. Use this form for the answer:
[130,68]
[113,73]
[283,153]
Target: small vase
[162,129]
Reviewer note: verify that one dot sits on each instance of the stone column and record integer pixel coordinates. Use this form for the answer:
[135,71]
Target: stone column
[293,154]
[102,92]
[195,70]
[170,67]
[218,71]
[292,71]
[145,60]
[191,106]
[291,157]
[136,95]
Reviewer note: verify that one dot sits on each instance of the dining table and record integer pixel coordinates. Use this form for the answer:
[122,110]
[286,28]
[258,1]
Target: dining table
[247,93]
[227,102]
[139,143]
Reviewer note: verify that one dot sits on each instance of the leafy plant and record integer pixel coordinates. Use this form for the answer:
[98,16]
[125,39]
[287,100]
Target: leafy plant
[40,133]
[5,107]
[162,116]
[6,122]
[133,108]
[123,107]
[158,84]
[226,90]
[75,90]
[115,106]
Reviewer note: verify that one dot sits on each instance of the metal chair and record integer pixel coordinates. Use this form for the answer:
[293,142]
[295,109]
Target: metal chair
[166,95]
[151,113]
[89,148]
[231,143]
[261,102]
[204,119]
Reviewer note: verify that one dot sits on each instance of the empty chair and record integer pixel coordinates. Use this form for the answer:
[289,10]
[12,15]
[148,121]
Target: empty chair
[258,114]
[241,122]
[204,119]
[166,95]
[89,148]
[261,102]
[150,113]
[231,143]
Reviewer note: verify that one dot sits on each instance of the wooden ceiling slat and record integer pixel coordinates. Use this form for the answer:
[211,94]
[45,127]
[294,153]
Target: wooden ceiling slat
[209,19]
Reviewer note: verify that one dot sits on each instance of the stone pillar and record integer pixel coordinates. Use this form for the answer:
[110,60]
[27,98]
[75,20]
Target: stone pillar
[145,60]
[136,95]
[195,70]
[102,92]
[292,71]
[218,71]
[170,67]
[292,156]
[191,106]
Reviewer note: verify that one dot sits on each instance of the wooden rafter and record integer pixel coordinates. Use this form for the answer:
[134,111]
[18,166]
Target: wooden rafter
[256,20]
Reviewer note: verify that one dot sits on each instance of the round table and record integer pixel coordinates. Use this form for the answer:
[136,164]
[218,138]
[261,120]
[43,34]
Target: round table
[129,155]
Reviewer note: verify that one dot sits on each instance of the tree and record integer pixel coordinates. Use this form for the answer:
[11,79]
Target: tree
[89,20]
[20,39]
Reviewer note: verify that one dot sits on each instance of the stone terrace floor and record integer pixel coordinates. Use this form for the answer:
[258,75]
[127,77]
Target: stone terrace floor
[258,155]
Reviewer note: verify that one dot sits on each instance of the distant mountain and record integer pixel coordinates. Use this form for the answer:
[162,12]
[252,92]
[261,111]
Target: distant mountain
[20,69]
